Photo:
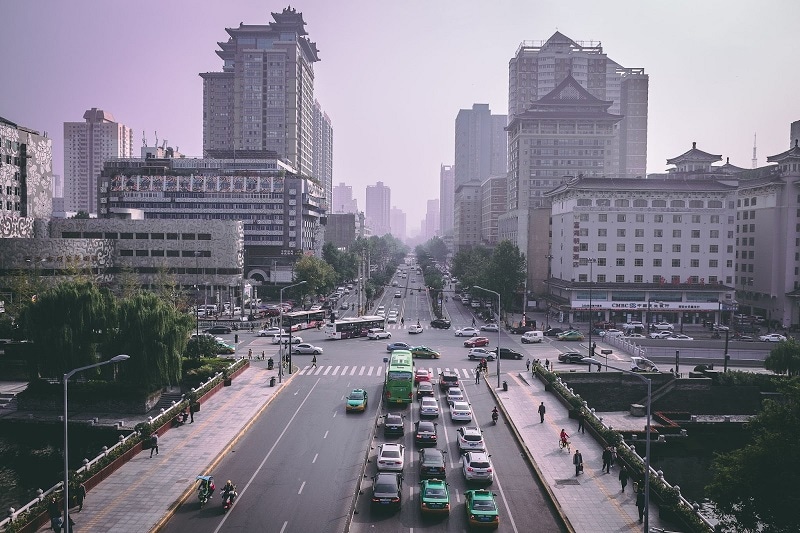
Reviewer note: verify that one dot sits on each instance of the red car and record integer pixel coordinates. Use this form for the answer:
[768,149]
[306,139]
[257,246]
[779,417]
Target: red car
[476,341]
[421,375]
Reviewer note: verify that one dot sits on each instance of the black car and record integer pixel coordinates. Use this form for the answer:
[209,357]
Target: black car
[508,353]
[431,463]
[425,433]
[552,332]
[393,425]
[425,388]
[571,357]
[440,323]
[217,329]
[519,330]
[387,491]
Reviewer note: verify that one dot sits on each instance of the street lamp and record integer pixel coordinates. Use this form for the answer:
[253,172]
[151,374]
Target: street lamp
[280,369]
[591,261]
[498,329]
[115,359]
[647,439]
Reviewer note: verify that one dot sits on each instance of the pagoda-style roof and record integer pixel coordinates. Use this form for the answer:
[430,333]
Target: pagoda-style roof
[638,184]
[559,39]
[792,153]
[727,168]
[572,92]
[694,156]
[569,100]
[289,19]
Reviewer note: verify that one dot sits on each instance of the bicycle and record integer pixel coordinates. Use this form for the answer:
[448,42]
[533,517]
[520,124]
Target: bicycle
[563,444]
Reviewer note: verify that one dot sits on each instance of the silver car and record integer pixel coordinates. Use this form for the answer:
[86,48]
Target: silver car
[428,407]
[476,466]
[460,412]
[306,348]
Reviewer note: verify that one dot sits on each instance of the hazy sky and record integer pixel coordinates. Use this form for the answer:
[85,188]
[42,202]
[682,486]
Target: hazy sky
[393,75]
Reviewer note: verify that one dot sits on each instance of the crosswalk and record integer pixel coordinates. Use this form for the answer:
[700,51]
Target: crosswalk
[372,370]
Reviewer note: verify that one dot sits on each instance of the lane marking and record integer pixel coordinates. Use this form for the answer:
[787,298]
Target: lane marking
[301,488]
[505,501]
[283,528]
[314,460]
[325,436]
[336,370]
[361,372]
[327,369]
[344,370]
[267,456]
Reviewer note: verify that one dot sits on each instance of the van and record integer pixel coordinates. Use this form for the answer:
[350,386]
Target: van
[531,337]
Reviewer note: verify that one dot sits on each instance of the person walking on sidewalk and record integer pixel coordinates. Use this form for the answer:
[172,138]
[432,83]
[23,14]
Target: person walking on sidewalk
[314,361]
[528,364]
[623,478]
[577,460]
[581,421]
[153,444]
[541,413]
[250,354]
[606,459]
[478,376]
[81,496]
[640,504]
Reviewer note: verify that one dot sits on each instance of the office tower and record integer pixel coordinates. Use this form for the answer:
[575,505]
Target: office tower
[379,199]
[87,145]
[323,153]
[397,218]
[446,199]
[538,67]
[431,223]
[263,100]
[480,149]
[493,204]
[342,200]
[467,216]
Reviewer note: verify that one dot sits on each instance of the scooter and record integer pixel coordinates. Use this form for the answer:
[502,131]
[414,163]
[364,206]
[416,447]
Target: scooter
[270,364]
[206,489]
[495,416]
[228,498]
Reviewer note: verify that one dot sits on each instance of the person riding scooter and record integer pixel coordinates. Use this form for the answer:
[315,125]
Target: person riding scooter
[495,415]
[270,363]
[228,495]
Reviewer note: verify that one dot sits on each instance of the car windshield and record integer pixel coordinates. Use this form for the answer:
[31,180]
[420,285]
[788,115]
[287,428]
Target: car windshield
[399,375]
[356,396]
[483,505]
[435,492]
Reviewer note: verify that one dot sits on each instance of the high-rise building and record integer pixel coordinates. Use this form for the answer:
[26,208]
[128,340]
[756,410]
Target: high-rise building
[397,217]
[323,152]
[430,226]
[263,100]
[446,199]
[379,201]
[87,145]
[342,200]
[467,216]
[538,67]
[493,204]
[480,149]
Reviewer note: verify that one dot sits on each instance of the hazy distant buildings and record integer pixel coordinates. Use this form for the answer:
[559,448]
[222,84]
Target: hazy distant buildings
[263,100]
[342,199]
[397,219]
[430,224]
[87,145]
[379,201]
[446,199]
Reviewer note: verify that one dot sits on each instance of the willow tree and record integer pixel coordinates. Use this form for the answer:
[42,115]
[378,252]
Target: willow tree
[154,334]
[68,325]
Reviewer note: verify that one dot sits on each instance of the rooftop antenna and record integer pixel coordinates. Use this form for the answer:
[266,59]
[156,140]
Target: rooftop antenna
[156,144]
[755,159]
[144,140]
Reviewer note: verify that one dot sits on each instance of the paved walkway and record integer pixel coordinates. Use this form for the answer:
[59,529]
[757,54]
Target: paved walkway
[591,502]
[139,495]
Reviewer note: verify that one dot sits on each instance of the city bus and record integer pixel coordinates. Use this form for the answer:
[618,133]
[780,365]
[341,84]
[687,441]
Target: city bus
[398,384]
[349,328]
[298,320]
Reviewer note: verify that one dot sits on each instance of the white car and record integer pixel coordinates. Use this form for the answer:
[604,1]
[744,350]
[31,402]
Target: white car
[611,333]
[490,327]
[315,308]
[468,331]
[470,439]
[476,466]
[480,353]
[460,412]
[428,407]
[661,335]
[664,326]
[376,333]
[454,394]
[391,457]
[306,348]
[284,338]
[415,328]
[269,332]
[392,319]
[772,337]
[635,336]
[680,337]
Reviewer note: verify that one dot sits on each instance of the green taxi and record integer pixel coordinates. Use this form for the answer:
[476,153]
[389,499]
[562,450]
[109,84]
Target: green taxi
[356,400]
[424,351]
[434,497]
[481,509]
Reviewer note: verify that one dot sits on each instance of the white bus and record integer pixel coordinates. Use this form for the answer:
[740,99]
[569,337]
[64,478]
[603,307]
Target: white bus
[349,328]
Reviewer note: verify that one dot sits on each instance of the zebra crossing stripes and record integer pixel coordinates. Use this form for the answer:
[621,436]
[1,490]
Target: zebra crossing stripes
[373,370]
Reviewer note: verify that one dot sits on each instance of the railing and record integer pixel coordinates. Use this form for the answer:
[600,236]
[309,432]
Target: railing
[626,345]
[155,422]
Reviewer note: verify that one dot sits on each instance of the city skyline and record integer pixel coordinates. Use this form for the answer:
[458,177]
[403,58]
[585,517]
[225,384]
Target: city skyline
[699,88]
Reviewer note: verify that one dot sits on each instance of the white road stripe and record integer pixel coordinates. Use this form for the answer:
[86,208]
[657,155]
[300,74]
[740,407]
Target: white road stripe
[336,370]
[327,369]
[361,372]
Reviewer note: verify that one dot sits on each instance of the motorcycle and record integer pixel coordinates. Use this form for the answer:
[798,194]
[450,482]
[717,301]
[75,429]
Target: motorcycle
[205,490]
[228,497]
[270,364]
[495,416]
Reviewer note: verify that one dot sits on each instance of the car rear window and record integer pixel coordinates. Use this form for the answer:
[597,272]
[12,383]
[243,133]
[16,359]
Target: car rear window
[392,454]
[385,487]
[479,464]
[472,438]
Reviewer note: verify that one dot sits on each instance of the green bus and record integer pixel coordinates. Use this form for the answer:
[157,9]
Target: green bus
[398,385]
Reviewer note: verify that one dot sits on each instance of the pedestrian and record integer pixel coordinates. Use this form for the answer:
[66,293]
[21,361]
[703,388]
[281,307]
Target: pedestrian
[250,354]
[263,355]
[623,478]
[528,364]
[613,455]
[81,496]
[153,444]
[313,361]
[606,459]
[191,410]
[640,504]
[477,377]
[577,460]
[581,421]
[541,413]
[473,322]
[547,364]
[54,512]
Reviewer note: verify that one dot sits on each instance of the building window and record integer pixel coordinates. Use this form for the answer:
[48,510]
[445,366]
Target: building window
[713,263]
[141,253]
[602,217]
[601,261]
[620,232]
[601,247]
[695,219]
[174,253]
[620,261]
[695,234]
[126,235]
[676,248]
[584,247]
[640,203]
[638,247]
[601,278]
[156,253]
[713,248]
[656,262]
[602,232]
[715,219]
[621,217]
[639,262]
[659,203]
[694,263]
[639,232]
[126,253]
[658,233]
[640,218]
[584,217]
[676,233]
[657,248]
[676,263]
[658,218]
[638,278]
[620,246]
[620,278]
[676,219]
[695,249]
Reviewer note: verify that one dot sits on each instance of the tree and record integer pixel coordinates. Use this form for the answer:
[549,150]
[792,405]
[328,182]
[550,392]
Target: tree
[318,275]
[81,215]
[437,249]
[784,358]
[755,487]
[505,272]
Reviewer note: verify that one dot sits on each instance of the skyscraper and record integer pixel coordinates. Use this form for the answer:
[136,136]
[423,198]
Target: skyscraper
[397,217]
[431,223]
[446,198]
[87,145]
[342,200]
[537,68]
[379,200]
[263,100]
[323,153]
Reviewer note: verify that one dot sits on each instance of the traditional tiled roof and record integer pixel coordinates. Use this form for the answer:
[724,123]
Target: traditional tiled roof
[694,155]
[638,184]
[568,100]
[792,153]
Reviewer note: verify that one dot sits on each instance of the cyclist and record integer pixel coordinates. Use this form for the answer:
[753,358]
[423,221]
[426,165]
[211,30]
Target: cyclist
[564,439]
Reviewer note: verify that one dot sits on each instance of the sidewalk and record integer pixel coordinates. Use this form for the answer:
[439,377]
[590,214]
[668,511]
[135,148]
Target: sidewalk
[590,502]
[157,484]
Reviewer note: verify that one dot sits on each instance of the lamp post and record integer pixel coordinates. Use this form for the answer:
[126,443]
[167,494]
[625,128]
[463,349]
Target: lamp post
[115,359]
[498,330]
[280,369]
[591,261]
[649,383]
